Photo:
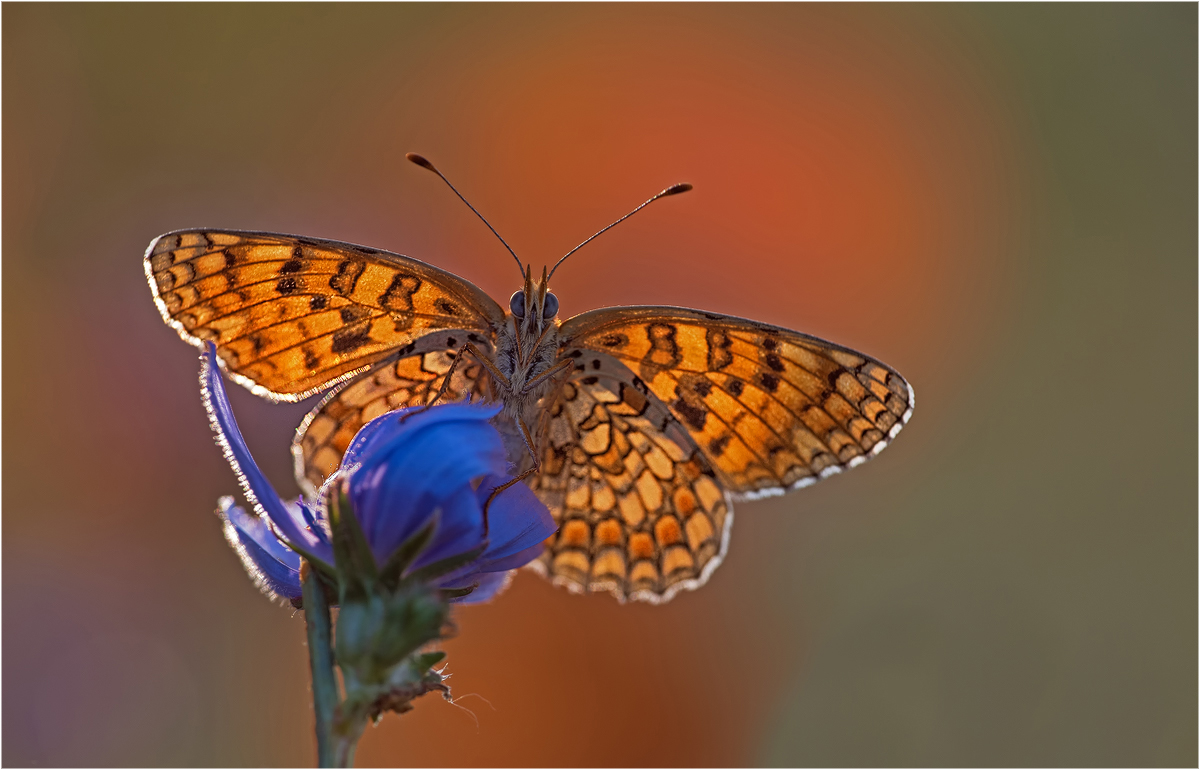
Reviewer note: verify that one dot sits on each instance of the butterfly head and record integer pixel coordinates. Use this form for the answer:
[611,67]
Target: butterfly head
[533,306]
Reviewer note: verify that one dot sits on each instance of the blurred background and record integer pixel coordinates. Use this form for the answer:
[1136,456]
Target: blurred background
[999,200]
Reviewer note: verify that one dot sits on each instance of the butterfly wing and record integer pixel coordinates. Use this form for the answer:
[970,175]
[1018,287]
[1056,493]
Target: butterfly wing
[408,379]
[771,409]
[292,315]
[640,509]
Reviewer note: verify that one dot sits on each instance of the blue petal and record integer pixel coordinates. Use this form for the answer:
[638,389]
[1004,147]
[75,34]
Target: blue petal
[256,529]
[255,485]
[517,520]
[460,528]
[512,561]
[416,418]
[312,519]
[519,525]
[363,438]
[404,474]
[274,568]
[489,585]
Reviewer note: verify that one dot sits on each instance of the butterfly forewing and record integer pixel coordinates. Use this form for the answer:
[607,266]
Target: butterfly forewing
[772,409]
[292,315]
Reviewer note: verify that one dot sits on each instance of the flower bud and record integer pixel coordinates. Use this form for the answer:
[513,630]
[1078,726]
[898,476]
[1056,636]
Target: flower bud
[378,631]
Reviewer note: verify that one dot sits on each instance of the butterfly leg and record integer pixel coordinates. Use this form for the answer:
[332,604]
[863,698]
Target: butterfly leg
[497,375]
[487,362]
[566,363]
[537,466]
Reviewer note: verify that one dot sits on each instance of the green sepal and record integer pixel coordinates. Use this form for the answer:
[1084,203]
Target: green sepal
[380,630]
[448,594]
[325,569]
[356,567]
[431,572]
[427,660]
[407,553]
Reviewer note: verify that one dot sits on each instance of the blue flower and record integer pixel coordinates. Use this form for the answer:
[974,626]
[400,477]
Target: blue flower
[398,475]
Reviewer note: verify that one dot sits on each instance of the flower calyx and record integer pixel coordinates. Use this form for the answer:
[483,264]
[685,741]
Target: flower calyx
[389,612]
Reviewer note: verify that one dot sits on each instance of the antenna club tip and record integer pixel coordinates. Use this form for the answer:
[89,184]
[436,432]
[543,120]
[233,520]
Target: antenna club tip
[419,160]
[675,189]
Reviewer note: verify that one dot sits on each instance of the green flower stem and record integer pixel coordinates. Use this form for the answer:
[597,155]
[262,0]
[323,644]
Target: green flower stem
[320,653]
[346,732]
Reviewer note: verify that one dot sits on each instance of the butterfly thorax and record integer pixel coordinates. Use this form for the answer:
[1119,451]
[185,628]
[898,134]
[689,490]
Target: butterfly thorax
[521,357]
[526,348]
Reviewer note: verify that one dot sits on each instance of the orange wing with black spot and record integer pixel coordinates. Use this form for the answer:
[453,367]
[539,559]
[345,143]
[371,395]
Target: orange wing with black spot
[771,409]
[641,511]
[411,379]
[292,315]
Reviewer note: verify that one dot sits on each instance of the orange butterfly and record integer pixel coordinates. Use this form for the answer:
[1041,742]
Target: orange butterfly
[637,426]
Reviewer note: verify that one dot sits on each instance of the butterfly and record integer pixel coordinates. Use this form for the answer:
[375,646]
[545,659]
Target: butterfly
[637,426]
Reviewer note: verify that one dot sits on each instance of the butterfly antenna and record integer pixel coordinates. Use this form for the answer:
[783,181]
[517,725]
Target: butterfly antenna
[674,189]
[424,163]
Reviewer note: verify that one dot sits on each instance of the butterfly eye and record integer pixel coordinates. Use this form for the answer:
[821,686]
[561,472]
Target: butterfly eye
[550,309]
[516,303]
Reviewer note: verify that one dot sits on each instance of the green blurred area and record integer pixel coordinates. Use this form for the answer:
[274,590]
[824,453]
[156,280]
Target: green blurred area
[1014,582]
[1051,617]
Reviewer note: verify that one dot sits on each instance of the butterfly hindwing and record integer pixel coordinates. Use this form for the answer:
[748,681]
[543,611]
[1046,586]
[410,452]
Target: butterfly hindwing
[410,379]
[641,512]
[772,409]
[292,315]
